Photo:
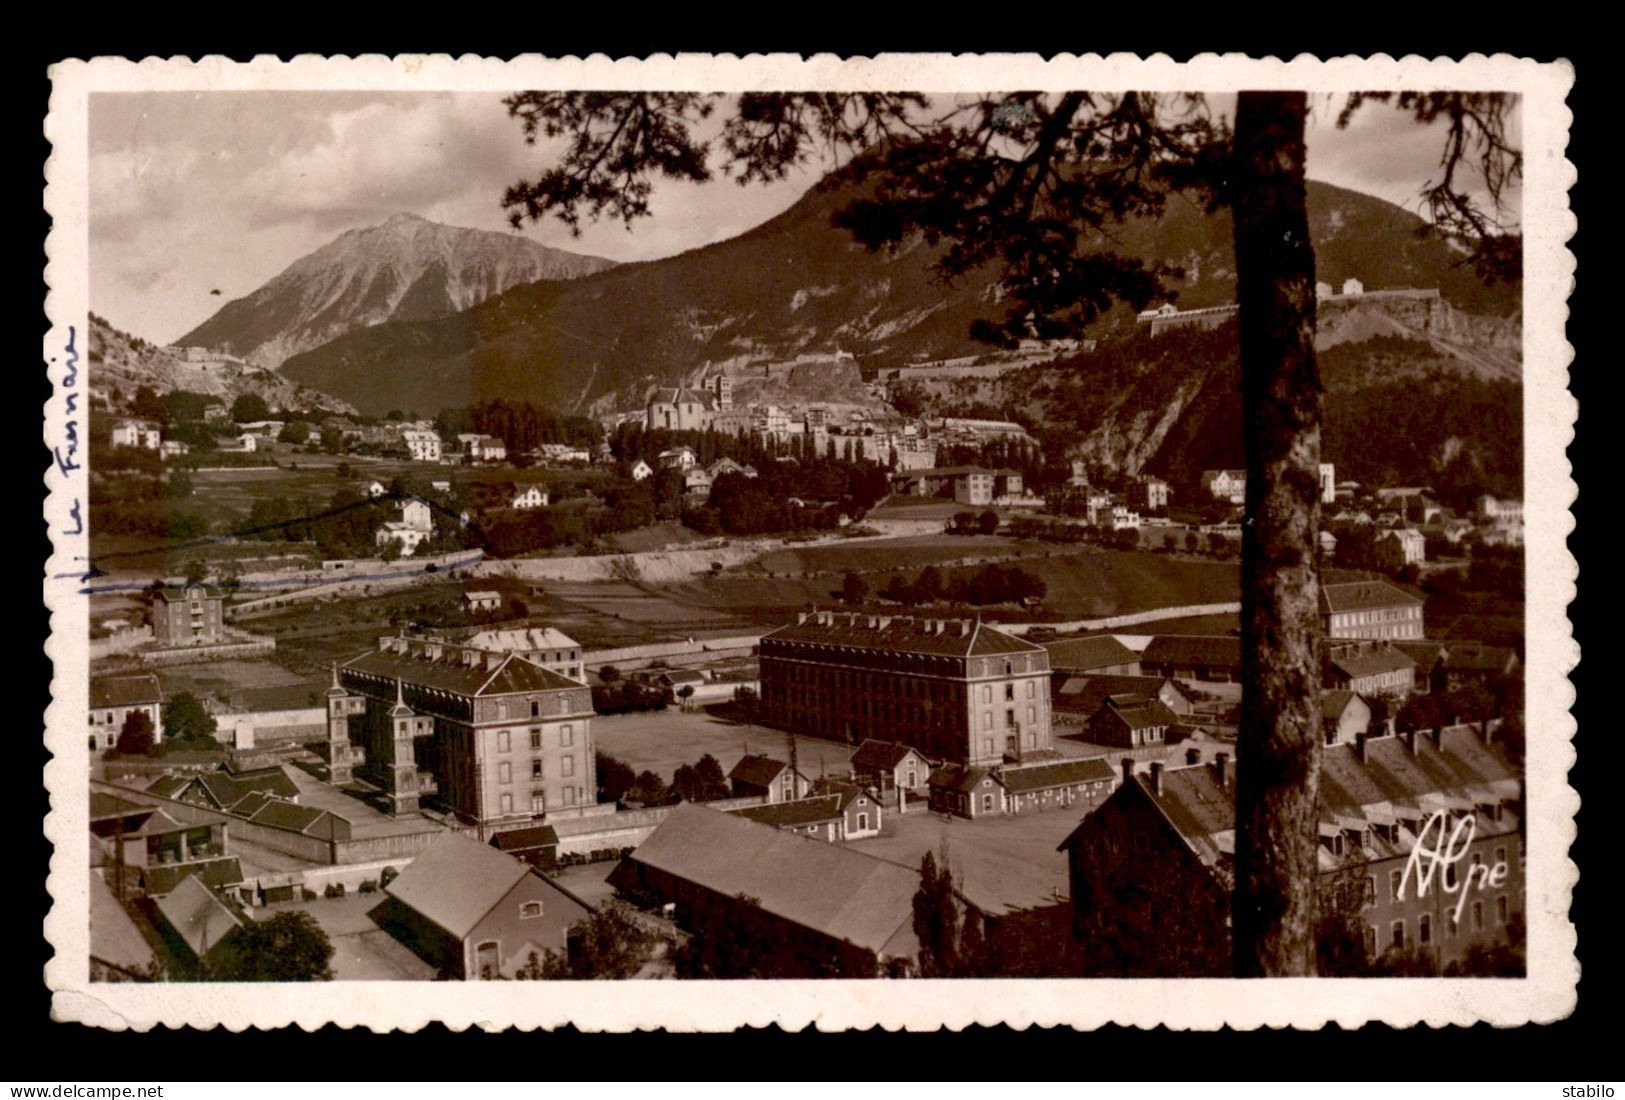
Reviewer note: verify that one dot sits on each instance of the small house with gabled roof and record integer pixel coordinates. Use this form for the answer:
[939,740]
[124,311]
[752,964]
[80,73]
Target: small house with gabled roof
[476,912]
[757,776]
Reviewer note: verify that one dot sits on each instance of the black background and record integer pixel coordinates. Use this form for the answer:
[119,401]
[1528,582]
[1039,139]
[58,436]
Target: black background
[39,1050]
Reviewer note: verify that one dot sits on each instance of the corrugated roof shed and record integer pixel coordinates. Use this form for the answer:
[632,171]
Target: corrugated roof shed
[1062,773]
[795,814]
[842,893]
[1087,654]
[1206,650]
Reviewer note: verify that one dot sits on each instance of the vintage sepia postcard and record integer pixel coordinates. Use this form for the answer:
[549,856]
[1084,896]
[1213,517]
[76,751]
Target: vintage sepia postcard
[706,541]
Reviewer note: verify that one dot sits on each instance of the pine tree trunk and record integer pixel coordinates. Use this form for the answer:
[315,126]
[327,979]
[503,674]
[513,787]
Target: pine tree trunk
[1278,754]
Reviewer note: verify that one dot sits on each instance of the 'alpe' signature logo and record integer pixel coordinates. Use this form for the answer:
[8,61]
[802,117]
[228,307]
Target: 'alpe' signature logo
[1435,851]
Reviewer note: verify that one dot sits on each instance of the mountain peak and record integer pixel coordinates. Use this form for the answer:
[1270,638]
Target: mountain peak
[405,268]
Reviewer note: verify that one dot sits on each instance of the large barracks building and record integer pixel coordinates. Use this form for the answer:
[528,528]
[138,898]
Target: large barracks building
[493,738]
[956,689]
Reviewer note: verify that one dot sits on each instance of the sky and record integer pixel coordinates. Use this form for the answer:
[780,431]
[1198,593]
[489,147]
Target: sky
[192,193]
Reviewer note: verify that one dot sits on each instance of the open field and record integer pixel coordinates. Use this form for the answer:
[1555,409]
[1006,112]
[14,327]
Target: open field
[223,679]
[660,741]
[1081,583]
[885,555]
[658,536]
[643,606]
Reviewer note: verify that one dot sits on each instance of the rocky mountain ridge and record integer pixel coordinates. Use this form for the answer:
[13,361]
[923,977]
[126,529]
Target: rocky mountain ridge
[406,268]
[797,285]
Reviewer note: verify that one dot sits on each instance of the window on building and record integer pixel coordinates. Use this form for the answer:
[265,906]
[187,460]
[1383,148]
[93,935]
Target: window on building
[987,742]
[1501,909]
[536,738]
[1478,916]
[1424,929]
[863,826]
[505,803]
[987,722]
[1399,935]
[987,803]
[568,765]
[1500,853]
[1450,925]
[570,794]
[1393,885]
[1370,891]
[567,735]
[504,741]
[1370,940]
[1009,692]
[530,909]
[538,802]
[536,768]
[504,772]
[987,693]
[535,708]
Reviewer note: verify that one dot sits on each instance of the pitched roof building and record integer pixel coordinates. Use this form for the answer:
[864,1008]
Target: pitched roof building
[492,737]
[1215,658]
[476,912]
[1103,655]
[1370,609]
[835,902]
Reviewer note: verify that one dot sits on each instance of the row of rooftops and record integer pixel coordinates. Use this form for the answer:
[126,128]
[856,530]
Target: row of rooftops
[957,637]
[1378,789]
[456,669]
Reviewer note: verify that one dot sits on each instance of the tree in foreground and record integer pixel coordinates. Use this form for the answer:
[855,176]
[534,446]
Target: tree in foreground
[289,947]
[1030,185]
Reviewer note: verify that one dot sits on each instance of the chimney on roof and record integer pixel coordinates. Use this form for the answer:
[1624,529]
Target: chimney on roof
[1221,769]
[492,660]
[1127,764]
[1193,755]
[471,656]
[1156,777]
[1359,747]
[801,618]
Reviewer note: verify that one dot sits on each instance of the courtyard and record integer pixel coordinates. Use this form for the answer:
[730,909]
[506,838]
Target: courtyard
[362,951]
[661,741]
